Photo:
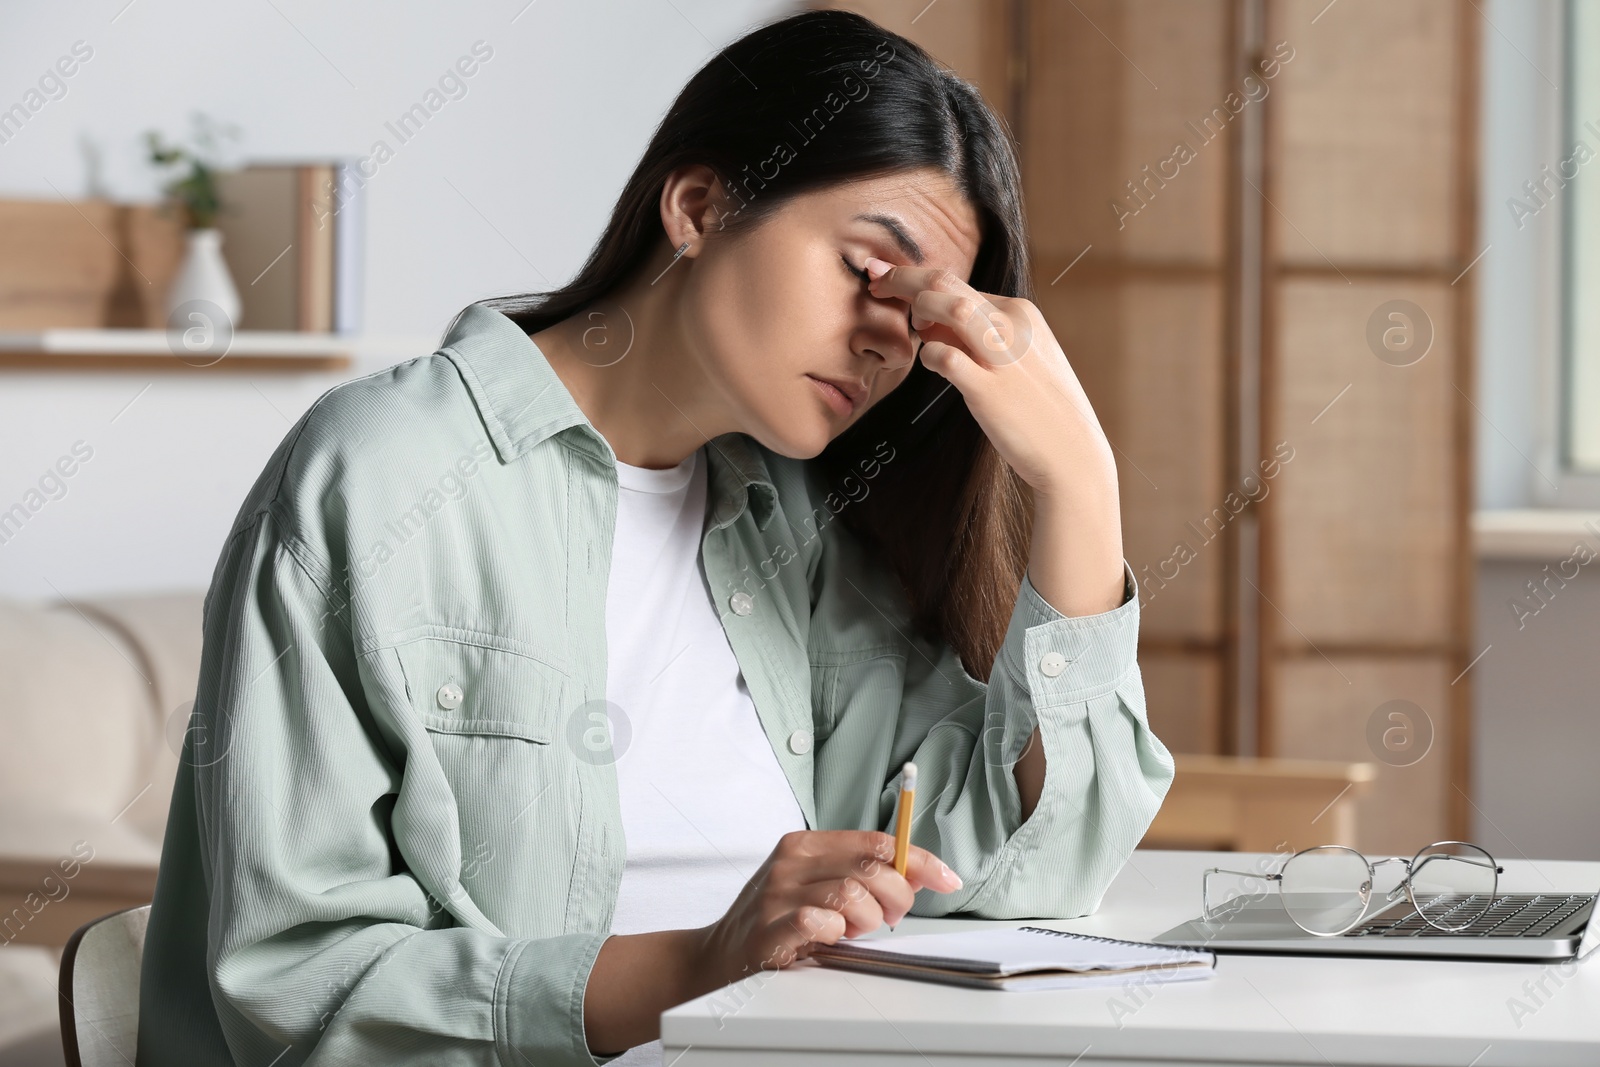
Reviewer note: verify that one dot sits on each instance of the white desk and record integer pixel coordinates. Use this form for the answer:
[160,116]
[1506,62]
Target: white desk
[1269,1010]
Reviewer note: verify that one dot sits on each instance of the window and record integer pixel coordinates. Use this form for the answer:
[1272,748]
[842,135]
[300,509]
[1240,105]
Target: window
[1579,183]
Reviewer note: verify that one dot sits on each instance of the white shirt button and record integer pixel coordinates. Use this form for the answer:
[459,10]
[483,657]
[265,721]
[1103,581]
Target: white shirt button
[1052,664]
[800,742]
[449,696]
[742,603]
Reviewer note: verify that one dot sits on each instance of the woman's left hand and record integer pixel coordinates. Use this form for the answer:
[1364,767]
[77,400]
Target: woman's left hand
[1013,374]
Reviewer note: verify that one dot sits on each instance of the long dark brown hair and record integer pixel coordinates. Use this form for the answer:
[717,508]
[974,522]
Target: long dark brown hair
[852,100]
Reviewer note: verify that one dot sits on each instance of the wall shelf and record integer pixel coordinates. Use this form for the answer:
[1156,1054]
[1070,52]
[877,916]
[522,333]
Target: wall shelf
[249,350]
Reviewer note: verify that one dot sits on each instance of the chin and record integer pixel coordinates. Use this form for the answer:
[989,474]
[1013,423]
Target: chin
[795,438]
[796,445]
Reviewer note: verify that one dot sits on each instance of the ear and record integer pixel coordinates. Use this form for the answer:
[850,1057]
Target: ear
[694,206]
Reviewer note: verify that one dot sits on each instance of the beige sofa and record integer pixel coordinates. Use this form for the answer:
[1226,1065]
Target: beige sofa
[97,697]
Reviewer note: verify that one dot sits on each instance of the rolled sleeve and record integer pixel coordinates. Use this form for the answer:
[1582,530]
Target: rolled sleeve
[1077,680]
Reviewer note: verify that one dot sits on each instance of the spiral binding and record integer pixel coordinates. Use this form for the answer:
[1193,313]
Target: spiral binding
[1107,940]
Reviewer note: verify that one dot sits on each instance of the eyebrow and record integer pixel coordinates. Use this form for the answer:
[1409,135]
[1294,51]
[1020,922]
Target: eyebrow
[910,247]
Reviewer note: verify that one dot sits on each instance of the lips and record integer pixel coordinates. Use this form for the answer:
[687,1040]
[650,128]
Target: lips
[853,391]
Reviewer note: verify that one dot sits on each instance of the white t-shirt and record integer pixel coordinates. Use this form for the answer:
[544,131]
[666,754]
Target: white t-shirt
[703,797]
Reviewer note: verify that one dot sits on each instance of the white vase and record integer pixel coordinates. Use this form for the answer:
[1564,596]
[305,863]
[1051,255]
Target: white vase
[204,276]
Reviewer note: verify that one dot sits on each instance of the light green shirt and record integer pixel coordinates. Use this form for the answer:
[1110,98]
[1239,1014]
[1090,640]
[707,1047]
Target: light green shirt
[394,836]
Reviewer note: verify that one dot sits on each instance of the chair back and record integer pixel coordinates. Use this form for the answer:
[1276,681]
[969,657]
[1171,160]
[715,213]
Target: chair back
[100,989]
[1259,804]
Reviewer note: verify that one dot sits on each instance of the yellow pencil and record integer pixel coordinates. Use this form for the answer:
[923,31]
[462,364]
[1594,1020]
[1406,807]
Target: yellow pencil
[902,825]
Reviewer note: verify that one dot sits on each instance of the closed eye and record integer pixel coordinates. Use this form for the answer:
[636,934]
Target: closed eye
[866,279]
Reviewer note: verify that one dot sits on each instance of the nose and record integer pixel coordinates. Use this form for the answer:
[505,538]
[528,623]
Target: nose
[890,335]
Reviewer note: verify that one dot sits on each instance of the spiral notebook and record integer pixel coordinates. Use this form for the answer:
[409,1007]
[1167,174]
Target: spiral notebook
[1023,958]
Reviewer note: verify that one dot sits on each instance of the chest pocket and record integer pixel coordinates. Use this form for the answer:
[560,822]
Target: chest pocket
[494,715]
[468,686]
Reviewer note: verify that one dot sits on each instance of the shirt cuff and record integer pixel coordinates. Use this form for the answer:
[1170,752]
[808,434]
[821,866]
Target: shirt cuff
[1059,659]
[540,1003]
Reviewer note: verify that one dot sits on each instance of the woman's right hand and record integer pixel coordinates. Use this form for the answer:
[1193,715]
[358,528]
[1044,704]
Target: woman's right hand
[817,886]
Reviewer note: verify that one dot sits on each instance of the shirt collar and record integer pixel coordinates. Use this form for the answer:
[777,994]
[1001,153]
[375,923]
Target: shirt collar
[522,401]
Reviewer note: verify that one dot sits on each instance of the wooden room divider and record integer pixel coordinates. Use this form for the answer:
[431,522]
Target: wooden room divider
[1252,227]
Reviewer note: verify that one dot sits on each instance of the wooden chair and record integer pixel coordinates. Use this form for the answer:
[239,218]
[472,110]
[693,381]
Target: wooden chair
[100,989]
[1249,804]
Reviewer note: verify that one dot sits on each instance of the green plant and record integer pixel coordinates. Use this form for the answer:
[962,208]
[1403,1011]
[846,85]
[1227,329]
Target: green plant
[194,190]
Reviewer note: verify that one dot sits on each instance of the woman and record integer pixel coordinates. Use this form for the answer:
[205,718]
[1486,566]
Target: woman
[567,673]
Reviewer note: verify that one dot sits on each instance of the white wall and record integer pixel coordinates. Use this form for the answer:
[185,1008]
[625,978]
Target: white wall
[503,190]
[1536,791]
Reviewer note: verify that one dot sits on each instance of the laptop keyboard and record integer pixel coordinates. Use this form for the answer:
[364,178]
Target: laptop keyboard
[1510,915]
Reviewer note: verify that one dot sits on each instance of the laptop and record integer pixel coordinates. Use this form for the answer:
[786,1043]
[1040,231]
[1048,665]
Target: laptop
[1516,926]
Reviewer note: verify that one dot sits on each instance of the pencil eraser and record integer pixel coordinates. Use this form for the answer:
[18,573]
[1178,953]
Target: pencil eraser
[908,779]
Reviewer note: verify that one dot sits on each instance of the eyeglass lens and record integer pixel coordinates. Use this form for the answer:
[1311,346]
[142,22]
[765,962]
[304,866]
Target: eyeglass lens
[1325,890]
[1452,884]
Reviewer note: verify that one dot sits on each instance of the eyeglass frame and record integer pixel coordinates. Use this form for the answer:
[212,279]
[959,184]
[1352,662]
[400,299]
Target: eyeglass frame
[1365,891]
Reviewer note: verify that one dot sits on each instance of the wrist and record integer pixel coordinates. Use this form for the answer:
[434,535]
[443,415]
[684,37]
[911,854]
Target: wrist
[705,959]
[1077,491]
[1075,558]
[1084,530]
[635,977]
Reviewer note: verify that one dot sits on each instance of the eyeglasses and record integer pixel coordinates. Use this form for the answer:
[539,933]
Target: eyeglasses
[1327,890]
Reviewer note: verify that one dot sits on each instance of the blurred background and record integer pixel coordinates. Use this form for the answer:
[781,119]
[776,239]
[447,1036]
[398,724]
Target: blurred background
[1329,271]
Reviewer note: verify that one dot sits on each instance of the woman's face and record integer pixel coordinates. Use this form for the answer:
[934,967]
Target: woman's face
[776,311]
